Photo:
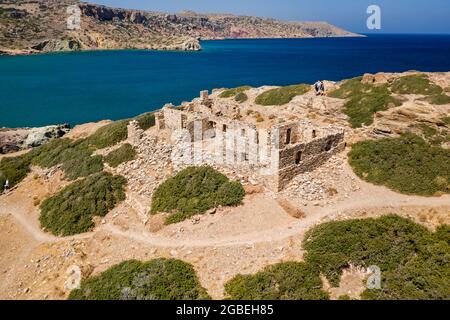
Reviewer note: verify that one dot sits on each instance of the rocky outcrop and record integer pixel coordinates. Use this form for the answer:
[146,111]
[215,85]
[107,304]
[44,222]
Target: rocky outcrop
[57,45]
[13,140]
[41,26]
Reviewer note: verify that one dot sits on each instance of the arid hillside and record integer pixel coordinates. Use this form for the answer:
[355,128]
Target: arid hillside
[41,26]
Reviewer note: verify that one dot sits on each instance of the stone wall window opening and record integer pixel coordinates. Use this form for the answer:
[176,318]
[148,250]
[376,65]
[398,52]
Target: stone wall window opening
[298,157]
[329,145]
[212,125]
[224,128]
[314,134]
[288,136]
[243,132]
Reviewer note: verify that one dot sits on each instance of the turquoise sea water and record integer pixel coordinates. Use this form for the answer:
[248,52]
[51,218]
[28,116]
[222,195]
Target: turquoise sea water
[91,86]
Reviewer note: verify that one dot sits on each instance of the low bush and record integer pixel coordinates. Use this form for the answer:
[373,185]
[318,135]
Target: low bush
[110,134]
[364,100]
[284,281]
[70,211]
[414,262]
[438,99]
[407,165]
[121,155]
[146,120]
[416,84]
[194,191]
[75,158]
[161,279]
[282,95]
[13,169]
[241,97]
[234,92]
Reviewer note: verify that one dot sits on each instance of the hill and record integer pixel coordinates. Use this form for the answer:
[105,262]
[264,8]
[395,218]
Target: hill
[41,26]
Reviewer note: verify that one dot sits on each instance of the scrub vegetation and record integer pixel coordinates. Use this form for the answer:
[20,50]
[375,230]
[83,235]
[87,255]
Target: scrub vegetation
[364,100]
[407,165]
[194,191]
[70,211]
[284,281]
[121,155]
[161,279]
[414,261]
[234,92]
[282,95]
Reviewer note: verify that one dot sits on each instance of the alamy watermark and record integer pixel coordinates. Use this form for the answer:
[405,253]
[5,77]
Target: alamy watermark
[374,20]
[227,146]
[74,17]
[374,280]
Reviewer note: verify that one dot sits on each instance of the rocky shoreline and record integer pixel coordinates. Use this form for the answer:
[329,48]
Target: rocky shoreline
[18,139]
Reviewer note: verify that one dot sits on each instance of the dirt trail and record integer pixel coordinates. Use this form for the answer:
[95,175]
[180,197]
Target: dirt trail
[369,197]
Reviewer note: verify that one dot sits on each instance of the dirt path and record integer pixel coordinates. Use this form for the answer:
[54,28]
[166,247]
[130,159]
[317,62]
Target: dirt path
[369,197]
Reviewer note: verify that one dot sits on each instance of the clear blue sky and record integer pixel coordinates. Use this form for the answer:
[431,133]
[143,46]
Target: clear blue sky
[398,16]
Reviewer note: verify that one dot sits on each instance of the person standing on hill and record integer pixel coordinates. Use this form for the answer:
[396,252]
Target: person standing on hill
[6,186]
[322,88]
[317,86]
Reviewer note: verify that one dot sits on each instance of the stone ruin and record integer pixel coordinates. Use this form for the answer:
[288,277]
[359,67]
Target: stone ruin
[207,132]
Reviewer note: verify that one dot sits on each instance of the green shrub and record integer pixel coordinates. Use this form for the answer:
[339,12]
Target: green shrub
[161,279]
[414,262]
[75,158]
[234,92]
[109,135]
[146,120]
[230,193]
[124,154]
[416,84]
[425,276]
[241,97]
[70,211]
[438,99]
[428,131]
[407,165]
[446,120]
[14,169]
[364,100]
[194,191]
[282,95]
[284,281]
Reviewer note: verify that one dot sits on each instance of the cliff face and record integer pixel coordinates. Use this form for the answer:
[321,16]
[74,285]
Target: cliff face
[41,26]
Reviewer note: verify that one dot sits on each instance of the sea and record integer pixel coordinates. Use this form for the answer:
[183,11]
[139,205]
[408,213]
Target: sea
[82,87]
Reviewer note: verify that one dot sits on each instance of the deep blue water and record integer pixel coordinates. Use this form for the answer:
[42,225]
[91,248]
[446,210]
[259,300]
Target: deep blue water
[91,86]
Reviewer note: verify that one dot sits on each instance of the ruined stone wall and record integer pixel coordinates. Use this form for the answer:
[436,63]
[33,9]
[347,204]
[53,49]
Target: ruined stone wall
[174,119]
[272,157]
[135,133]
[306,157]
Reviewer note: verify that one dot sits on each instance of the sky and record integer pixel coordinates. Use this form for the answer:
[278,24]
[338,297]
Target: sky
[397,16]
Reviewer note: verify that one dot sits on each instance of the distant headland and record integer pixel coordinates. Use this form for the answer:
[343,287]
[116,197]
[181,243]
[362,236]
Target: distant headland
[42,26]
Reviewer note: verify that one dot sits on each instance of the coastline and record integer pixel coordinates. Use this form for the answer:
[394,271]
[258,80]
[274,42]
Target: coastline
[29,52]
